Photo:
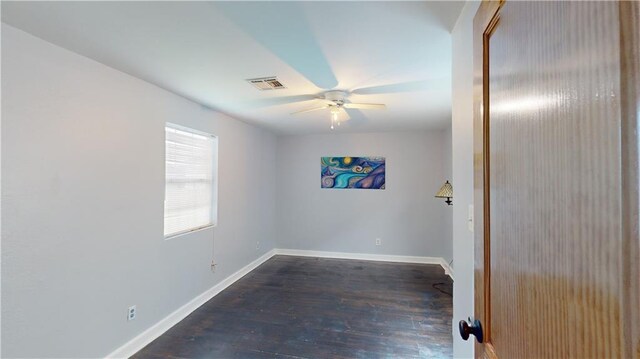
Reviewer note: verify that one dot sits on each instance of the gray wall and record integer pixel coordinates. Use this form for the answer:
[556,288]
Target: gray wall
[406,216]
[82,197]
[448,220]
[462,131]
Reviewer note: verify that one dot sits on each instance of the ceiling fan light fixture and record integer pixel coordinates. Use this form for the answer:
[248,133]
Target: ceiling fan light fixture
[334,113]
[335,101]
[334,117]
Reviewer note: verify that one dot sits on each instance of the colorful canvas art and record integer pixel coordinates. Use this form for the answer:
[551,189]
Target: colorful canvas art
[353,172]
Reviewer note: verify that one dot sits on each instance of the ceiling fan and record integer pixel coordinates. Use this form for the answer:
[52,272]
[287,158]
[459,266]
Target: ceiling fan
[335,102]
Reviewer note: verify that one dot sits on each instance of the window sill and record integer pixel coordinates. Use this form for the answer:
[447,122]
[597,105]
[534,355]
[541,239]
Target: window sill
[189,231]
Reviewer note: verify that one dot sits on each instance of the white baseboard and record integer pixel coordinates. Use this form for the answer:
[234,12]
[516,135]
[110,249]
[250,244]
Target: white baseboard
[447,268]
[369,257]
[149,335]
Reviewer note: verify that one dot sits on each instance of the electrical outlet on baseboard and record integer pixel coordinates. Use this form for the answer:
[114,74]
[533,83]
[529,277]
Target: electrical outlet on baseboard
[378,241]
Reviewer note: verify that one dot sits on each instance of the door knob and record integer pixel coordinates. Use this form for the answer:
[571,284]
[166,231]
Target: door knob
[475,328]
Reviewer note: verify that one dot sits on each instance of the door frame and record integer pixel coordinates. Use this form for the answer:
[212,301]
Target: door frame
[629,12]
[484,22]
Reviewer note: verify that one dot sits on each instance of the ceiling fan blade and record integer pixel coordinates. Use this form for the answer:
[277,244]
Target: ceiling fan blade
[343,115]
[311,109]
[277,101]
[328,102]
[411,86]
[262,21]
[366,106]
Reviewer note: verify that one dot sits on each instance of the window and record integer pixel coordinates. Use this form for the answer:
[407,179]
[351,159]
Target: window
[190,198]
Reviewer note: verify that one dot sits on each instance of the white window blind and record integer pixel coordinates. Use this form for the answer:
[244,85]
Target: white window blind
[190,187]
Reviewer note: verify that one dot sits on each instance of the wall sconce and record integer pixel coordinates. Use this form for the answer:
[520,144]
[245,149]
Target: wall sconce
[446,191]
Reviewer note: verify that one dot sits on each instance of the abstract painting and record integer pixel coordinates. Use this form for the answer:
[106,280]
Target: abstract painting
[352,172]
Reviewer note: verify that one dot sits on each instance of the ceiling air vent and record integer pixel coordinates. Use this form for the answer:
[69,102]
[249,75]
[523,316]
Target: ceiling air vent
[266,83]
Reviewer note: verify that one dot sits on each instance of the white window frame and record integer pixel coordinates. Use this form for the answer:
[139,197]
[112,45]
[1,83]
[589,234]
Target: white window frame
[214,182]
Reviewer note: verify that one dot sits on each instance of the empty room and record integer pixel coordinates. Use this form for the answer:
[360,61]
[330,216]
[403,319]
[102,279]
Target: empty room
[320,179]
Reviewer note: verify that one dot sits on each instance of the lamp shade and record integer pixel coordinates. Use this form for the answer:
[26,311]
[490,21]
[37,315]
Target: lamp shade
[446,191]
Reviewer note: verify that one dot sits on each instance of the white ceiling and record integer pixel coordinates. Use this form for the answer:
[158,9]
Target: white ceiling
[396,53]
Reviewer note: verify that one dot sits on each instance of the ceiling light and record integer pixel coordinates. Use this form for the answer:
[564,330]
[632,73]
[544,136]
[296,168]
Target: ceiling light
[335,101]
[334,117]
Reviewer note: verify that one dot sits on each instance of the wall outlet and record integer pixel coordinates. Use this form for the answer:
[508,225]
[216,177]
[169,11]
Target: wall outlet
[258,245]
[131,314]
[213,266]
[378,241]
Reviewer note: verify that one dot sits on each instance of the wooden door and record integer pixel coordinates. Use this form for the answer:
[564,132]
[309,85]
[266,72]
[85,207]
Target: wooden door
[556,179]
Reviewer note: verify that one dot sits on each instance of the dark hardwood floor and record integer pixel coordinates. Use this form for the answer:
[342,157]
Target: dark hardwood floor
[297,307]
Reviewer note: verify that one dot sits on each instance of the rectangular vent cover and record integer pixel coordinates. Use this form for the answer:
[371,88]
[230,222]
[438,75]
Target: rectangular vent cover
[266,83]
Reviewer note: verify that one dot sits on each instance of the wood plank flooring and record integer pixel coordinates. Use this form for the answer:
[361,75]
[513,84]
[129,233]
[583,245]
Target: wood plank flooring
[299,307]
